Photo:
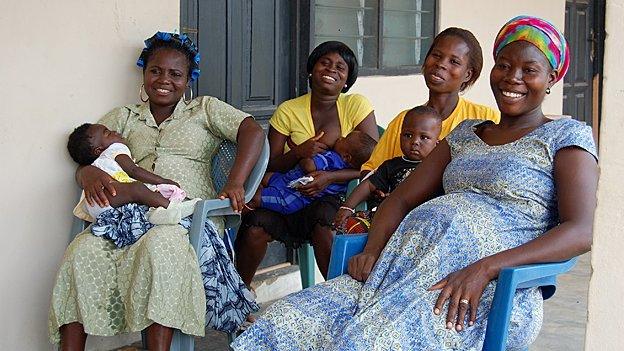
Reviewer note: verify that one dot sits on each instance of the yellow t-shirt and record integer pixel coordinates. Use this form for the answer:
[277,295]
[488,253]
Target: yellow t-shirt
[294,117]
[389,145]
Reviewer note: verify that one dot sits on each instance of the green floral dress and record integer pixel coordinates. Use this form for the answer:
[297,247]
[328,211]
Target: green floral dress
[157,279]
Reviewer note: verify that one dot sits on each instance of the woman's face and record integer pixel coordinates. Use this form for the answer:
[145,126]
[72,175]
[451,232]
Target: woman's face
[166,77]
[447,66]
[329,74]
[520,77]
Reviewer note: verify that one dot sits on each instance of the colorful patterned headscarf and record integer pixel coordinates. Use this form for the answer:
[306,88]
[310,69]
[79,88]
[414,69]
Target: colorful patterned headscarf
[541,33]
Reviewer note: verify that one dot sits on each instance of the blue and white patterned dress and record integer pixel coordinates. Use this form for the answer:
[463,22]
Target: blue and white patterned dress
[496,198]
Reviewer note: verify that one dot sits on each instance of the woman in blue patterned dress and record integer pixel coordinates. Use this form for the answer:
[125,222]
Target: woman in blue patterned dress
[519,192]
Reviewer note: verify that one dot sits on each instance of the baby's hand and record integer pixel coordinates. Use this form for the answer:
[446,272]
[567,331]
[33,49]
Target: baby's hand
[340,218]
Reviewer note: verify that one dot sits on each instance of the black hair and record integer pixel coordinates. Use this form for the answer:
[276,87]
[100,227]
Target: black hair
[475,54]
[79,145]
[341,49]
[423,111]
[174,41]
[361,147]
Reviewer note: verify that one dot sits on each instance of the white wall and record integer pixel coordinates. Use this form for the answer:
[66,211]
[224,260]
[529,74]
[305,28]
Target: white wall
[605,323]
[62,63]
[483,18]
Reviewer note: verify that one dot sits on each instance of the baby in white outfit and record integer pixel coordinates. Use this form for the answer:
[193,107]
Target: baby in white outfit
[96,145]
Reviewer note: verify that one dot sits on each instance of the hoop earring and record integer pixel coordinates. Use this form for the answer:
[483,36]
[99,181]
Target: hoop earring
[547,90]
[184,97]
[141,94]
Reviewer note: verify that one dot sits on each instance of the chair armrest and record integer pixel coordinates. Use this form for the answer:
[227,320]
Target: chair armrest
[218,207]
[344,247]
[533,275]
[204,209]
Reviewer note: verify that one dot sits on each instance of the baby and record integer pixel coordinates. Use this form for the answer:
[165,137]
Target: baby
[94,144]
[278,191]
[419,136]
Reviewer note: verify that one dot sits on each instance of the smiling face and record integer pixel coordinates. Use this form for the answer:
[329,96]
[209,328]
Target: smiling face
[166,77]
[519,79]
[329,74]
[447,67]
[101,138]
[419,135]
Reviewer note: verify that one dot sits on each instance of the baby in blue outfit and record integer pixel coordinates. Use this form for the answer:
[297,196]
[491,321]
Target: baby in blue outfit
[278,191]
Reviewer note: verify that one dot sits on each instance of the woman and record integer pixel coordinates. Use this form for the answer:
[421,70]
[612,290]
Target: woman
[300,128]
[519,192]
[156,282]
[452,65]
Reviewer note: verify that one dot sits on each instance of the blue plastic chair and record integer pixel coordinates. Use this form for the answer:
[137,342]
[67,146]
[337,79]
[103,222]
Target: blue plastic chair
[222,163]
[542,275]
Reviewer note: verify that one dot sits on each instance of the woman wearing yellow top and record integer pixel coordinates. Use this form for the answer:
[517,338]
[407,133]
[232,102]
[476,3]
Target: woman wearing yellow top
[301,128]
[452,64]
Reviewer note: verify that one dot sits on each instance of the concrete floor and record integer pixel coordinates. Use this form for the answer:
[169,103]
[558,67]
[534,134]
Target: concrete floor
[565,316]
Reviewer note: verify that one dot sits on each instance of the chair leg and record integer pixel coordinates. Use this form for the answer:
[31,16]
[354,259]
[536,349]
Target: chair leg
[144,339]
[182,342]
[306,265]
[231,337]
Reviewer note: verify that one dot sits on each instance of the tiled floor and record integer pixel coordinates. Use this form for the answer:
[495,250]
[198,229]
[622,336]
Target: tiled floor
[565,316]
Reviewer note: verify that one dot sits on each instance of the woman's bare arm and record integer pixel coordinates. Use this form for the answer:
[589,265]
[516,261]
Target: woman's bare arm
[422,184]
[250,139]
[369,126]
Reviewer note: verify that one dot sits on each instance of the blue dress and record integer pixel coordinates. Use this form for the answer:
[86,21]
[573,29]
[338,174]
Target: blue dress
[496,198]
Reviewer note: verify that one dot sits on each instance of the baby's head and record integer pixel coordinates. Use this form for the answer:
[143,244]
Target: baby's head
[355,148]
[88,141]
[420,132]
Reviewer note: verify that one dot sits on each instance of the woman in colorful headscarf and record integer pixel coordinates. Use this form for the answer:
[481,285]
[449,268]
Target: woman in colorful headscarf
[156,283]
[518,192]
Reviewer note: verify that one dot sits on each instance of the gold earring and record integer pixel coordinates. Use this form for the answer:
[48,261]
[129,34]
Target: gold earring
[141,94]
[191,99]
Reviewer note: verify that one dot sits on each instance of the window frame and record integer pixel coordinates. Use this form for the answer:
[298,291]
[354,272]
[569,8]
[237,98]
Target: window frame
[368,71]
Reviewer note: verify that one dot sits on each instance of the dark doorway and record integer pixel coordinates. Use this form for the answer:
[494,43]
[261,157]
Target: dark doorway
[584,30]
[246,51]
[247,61]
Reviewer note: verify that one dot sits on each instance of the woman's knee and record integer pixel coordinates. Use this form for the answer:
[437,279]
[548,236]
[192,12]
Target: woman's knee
[261,225]
[254,234]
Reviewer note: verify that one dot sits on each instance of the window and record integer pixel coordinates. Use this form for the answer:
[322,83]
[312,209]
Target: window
[387,36]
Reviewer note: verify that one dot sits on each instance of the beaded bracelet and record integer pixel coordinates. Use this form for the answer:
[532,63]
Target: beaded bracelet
[347,208]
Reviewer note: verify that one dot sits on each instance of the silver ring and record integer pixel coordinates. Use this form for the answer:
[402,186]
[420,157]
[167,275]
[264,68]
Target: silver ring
[463,301]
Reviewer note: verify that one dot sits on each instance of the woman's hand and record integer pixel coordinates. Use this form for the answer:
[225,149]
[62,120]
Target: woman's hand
[341,217]
[463,290]
[308,148]
[322,180]
[361,265]
[93,181]
[170,182]
[236,193]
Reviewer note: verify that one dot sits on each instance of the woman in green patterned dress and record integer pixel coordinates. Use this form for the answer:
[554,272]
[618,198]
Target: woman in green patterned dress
[154,284]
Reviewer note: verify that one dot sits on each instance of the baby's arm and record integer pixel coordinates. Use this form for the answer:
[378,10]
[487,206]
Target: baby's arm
[139,173]
[307,164]
[359,194]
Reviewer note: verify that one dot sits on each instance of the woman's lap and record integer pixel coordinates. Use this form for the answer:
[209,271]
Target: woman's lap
[395,309]
[296,228]
[309,319]
[112,291]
